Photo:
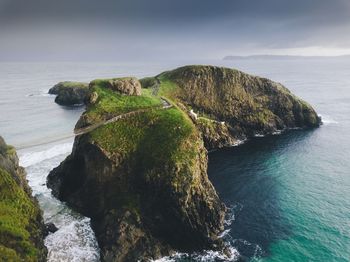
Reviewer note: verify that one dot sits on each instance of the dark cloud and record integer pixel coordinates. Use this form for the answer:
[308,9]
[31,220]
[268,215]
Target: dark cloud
[141,28]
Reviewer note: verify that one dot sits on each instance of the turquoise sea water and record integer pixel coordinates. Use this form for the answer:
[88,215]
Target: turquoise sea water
[289,194]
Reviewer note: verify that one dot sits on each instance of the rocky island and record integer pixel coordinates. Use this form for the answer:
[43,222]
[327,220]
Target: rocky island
[69,93]
[138,167]
[22,229]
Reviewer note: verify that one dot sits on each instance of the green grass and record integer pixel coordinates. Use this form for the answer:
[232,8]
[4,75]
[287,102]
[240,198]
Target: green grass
[17,212]
[157,142]
[69,84]
[110,102]
[10,150]
[147,92]
[154,138]
[154,129]
[167,87]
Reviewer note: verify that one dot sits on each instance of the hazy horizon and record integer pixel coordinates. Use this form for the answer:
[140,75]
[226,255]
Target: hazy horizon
[135,30]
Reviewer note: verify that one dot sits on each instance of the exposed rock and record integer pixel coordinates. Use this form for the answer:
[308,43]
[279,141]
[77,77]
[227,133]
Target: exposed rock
[92,98]
[127,85]
[216,134]
[21,224]
[144,184]
[51,228]
[143,179]
[70,93]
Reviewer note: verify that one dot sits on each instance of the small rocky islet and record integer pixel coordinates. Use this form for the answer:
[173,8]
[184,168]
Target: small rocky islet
[70,93]
[138,167]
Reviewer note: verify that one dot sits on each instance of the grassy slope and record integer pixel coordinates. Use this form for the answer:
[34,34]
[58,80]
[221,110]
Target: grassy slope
[110,102]
[242,98]
[17,213]
[70,84]
[156,137]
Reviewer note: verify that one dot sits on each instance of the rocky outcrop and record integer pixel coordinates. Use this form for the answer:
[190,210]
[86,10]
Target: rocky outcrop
[21,224]
[143,182]
[143,179]
[127,85]
[70,93]
[248,105]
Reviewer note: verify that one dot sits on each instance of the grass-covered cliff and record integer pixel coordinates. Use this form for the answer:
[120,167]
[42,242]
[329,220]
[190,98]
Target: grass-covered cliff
[142,179]
[139,163]
[21,223]
[245,105]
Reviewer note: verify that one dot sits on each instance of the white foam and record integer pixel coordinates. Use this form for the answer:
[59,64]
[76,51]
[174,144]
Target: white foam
[31,158]
[73,242]
[231,253]
[327,120]
[206,256]
[239,142]
[277,132]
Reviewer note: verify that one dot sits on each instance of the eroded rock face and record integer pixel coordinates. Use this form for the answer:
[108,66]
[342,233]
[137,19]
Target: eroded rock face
[70,93]
[129,86]
[143,204]
[22,229]
[138,215]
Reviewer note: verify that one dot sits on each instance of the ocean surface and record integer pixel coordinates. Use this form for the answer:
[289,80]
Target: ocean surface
[289,194]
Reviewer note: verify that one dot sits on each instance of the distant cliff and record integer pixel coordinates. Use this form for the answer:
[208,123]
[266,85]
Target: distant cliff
[139,163]
[21,224]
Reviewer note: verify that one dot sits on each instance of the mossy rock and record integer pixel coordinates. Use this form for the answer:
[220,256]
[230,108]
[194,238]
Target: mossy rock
[21,224]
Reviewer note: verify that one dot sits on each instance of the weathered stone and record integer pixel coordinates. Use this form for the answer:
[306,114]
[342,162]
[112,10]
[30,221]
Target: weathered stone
[129,86]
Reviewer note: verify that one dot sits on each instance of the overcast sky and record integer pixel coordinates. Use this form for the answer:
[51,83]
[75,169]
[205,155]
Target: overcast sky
[110,30]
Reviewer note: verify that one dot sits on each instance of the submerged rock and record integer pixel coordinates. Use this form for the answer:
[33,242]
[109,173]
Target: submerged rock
[22,229]
[142,179]
[70,93]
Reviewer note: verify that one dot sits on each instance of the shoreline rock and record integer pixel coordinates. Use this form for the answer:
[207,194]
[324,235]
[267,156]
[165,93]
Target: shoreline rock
[70,93]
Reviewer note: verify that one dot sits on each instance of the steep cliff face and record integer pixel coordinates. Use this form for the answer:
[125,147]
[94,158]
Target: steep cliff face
[142,180]
[247,104]
[21,224]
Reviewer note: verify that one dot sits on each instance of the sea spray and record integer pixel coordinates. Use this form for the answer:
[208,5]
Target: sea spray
[75,240]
